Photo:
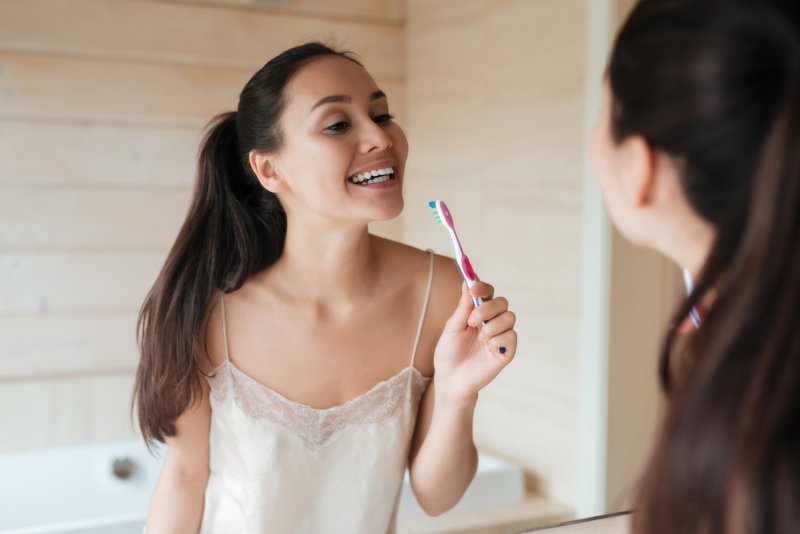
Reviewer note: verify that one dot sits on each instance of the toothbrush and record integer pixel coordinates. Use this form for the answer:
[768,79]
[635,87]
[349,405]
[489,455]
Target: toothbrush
[443,217]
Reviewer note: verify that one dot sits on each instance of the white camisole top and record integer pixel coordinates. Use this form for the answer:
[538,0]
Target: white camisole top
[280,466]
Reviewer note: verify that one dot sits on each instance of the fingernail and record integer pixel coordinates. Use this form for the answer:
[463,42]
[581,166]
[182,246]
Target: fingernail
[502,350]
[486,321]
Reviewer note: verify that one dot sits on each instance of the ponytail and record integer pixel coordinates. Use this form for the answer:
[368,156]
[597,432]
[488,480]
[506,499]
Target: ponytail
[234,228]
[728,457]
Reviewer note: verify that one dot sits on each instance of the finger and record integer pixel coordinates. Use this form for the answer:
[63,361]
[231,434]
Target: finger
[504,345]
[482,290]
[488,311]
[503,322]
[458,321]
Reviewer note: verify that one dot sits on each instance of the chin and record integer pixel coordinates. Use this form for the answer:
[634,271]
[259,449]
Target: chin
[389,212]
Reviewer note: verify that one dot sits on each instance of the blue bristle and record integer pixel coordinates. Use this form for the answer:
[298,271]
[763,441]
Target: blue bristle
[432,204]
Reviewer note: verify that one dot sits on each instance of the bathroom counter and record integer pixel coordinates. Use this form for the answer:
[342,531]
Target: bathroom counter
[532,512]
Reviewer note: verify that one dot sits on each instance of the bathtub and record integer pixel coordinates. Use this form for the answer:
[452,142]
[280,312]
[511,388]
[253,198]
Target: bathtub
[75,489]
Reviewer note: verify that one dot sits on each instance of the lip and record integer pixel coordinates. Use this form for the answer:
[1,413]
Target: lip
[374,166]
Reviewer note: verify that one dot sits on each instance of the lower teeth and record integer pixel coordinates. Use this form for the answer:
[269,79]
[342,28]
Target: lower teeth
[373,181]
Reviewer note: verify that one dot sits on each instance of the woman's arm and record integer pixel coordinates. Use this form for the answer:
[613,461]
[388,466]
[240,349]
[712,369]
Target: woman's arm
[178,499]
[443,457]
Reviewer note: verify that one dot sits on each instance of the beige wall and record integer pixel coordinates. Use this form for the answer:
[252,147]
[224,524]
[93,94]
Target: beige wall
[101,107]
[495,97]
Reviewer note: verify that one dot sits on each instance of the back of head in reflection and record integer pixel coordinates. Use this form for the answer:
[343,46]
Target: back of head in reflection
[697,156]
[286,352]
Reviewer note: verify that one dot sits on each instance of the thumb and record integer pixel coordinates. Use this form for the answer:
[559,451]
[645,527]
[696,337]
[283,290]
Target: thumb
[458,321]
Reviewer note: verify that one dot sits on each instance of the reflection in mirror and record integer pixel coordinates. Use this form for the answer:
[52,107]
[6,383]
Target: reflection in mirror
[98,170]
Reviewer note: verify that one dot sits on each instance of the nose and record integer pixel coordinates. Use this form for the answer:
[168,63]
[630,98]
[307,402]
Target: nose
[375,138]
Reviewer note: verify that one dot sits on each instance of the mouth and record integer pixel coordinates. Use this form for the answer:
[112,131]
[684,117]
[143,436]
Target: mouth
[375,176]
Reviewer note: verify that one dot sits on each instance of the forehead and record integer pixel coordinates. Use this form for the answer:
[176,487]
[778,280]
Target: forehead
[326,76]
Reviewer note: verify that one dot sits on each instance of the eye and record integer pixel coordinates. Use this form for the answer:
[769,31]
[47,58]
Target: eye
[383,118]
[338,127]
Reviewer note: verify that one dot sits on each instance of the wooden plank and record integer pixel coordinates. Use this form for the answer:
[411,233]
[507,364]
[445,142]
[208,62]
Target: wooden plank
[39,87]
[98,219]
[91,154]
[190,34]
[58,345]
[377,11]
[76,282]
[518,175]
[67,411]
[34,86]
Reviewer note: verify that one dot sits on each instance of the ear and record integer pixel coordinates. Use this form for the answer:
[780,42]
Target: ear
[639,171]
[264,167]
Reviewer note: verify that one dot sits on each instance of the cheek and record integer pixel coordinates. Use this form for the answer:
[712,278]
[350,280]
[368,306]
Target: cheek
[399,143]
[601,163]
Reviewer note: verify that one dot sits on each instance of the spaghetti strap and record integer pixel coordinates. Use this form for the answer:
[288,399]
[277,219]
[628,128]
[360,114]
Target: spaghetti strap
[224,326]
[424,307]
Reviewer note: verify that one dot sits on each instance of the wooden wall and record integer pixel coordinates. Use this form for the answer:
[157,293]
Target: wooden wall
[496,107]
[101,107]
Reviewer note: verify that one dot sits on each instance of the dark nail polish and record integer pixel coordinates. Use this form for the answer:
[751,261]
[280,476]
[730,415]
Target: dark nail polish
[502,350]
[486,321]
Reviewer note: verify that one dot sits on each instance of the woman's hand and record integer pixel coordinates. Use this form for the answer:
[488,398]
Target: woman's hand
[476,344]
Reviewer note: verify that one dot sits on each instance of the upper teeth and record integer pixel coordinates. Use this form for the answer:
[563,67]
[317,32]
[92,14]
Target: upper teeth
[370,175]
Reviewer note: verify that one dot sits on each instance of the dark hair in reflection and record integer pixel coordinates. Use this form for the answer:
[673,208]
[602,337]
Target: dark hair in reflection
[716,85]
[234,228]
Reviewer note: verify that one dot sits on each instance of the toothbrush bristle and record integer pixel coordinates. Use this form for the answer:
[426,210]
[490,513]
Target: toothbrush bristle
[436,214]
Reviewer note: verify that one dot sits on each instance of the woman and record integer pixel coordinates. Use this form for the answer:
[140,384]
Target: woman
[698,156]
[284,349]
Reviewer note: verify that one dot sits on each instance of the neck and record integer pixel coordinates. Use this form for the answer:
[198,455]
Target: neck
[322,263]
[689,244]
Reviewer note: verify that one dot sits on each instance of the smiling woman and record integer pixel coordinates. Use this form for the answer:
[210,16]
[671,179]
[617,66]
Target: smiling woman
[280,409]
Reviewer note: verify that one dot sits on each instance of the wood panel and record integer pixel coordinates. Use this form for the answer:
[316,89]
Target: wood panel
[78,89]
[111,91]
[67,411]
[82,154]
[368,11]
[495,94]
[121,219]
[189,34]
[393,9]
[76,282]
[39,346]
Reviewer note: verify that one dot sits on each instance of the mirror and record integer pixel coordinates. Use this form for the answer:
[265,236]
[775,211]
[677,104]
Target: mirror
[99,126]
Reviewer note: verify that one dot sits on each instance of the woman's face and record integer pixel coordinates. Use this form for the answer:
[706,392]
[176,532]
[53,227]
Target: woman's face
[337,130]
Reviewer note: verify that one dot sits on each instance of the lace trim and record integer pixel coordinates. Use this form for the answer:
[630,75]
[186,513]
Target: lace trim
[315,426]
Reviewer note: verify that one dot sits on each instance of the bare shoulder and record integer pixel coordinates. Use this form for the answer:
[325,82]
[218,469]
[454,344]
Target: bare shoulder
[414,262]
[446,290]
[445,293]
[413,265]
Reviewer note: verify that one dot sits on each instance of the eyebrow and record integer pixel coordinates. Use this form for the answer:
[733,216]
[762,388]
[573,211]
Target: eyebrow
[344,99]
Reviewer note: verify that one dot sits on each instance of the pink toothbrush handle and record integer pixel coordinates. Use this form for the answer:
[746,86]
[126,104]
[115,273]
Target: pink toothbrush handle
[469,277]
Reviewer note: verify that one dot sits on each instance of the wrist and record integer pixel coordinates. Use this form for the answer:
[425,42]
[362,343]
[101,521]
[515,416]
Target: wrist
[453,397]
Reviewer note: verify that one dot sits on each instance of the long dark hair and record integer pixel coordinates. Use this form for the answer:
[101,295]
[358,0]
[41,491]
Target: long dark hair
[716,85]
[234,229]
